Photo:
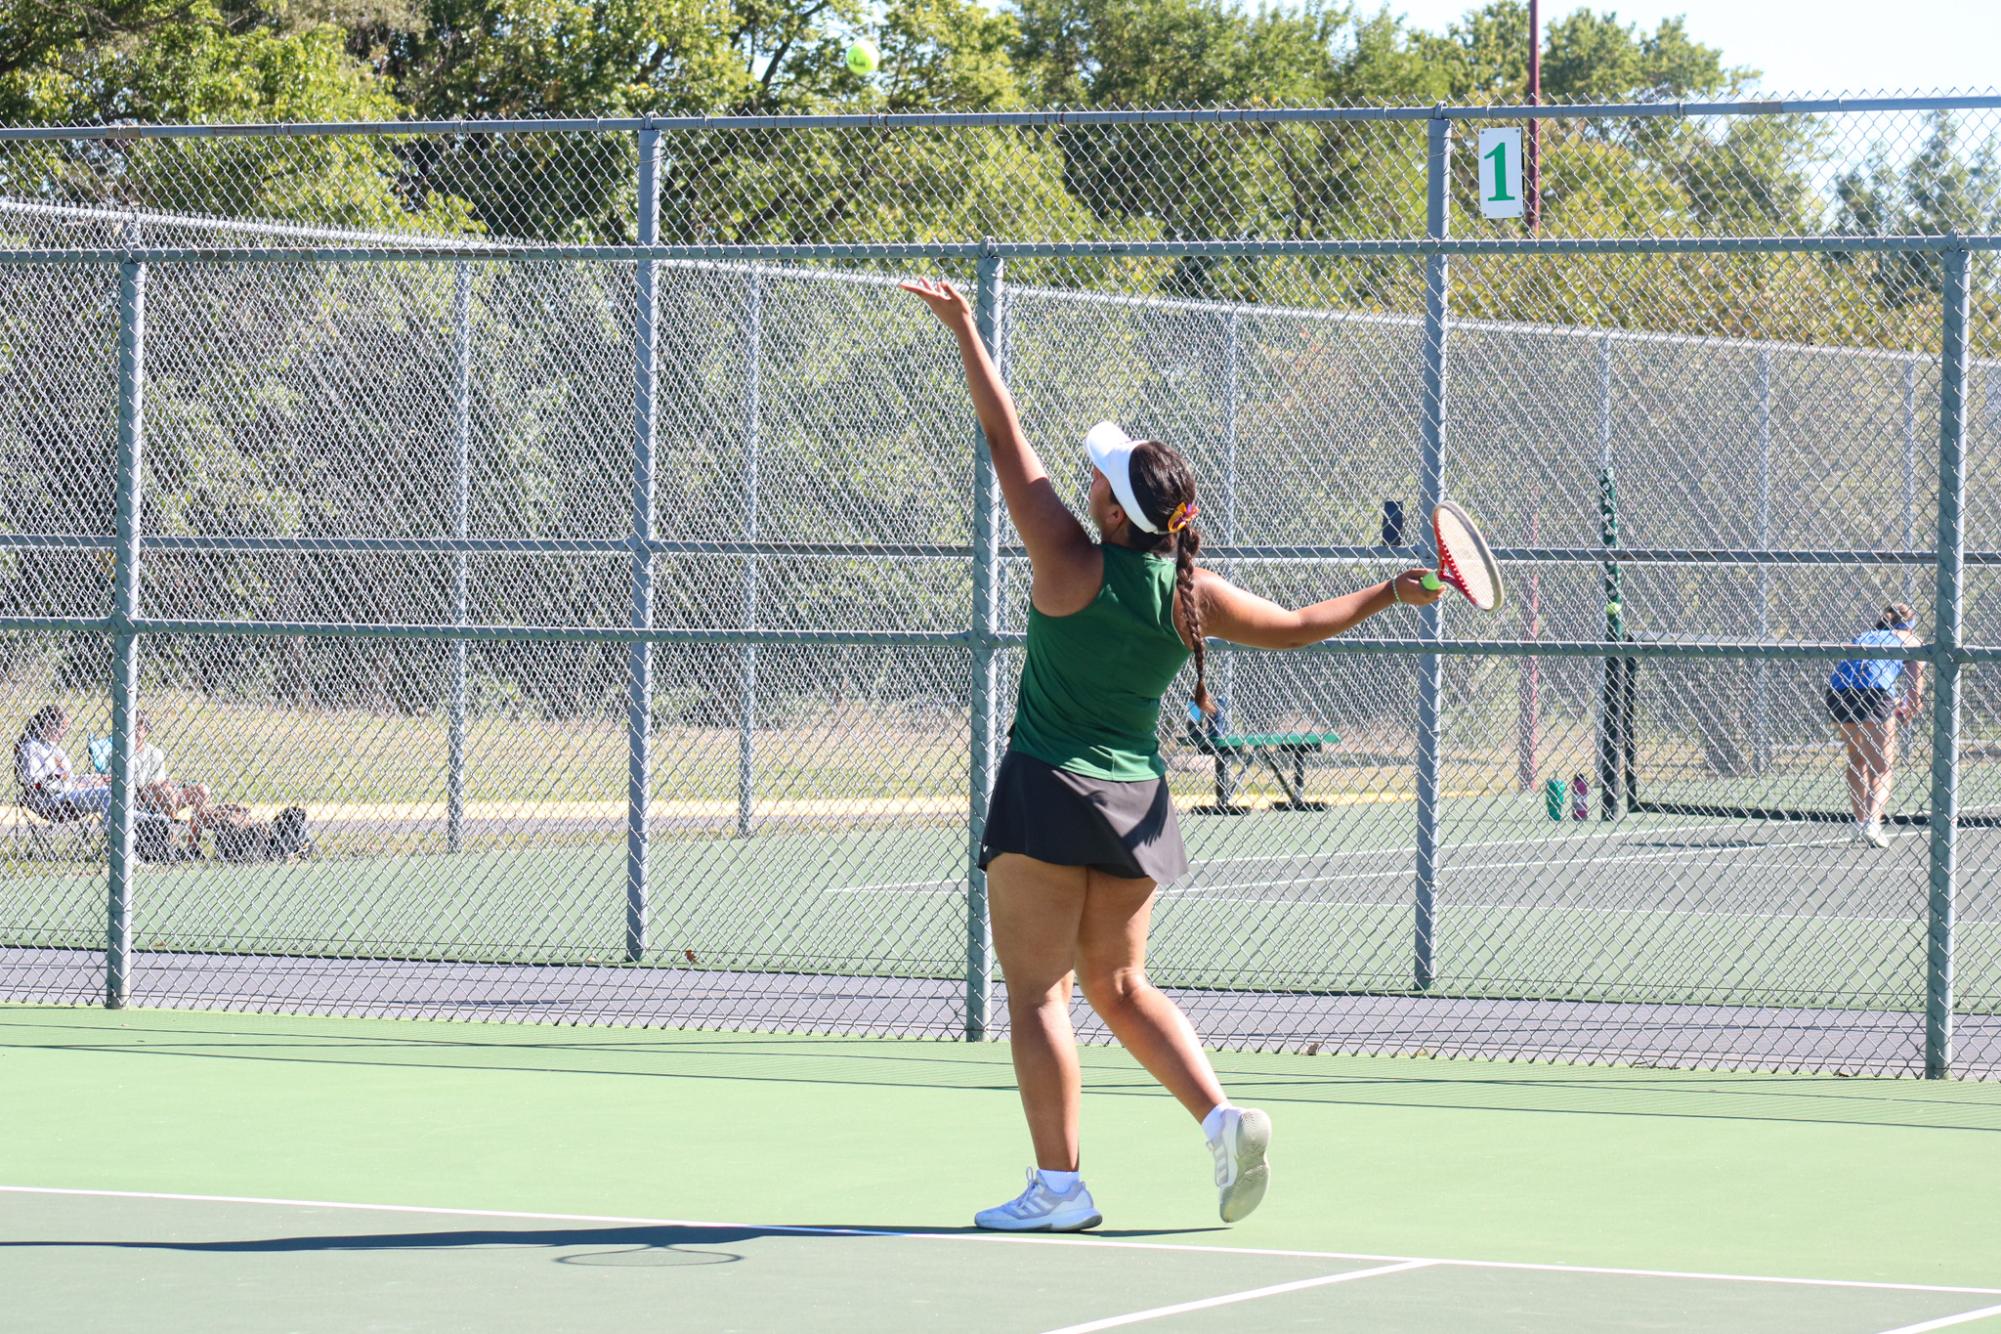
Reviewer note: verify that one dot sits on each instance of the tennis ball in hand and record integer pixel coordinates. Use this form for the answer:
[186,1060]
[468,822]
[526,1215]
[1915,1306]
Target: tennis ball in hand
[863,57]
[1432,583]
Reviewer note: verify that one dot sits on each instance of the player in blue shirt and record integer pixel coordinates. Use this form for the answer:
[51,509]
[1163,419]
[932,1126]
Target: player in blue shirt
[1867,698]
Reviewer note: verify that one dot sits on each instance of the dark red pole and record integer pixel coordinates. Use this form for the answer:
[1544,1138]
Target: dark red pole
[1532,159]
[1529,742]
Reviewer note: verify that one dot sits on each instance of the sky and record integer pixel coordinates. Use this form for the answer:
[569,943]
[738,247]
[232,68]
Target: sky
[1809,46]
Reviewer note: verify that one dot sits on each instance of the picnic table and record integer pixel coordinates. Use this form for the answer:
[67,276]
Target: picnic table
[1237,753]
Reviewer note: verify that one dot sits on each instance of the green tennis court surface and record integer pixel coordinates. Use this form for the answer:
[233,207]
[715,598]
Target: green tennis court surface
[175,1171]
[1675,909]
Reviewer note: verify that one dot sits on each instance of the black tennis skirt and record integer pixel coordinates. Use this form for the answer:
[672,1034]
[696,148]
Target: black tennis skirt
[1861,704]
[1050,814]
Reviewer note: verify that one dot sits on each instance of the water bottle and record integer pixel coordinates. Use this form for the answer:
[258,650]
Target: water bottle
[1552,798]
[1580,798]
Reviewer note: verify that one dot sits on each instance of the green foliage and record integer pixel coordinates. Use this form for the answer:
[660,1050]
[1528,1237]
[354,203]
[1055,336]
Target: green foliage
[1939,190]
[1587,57]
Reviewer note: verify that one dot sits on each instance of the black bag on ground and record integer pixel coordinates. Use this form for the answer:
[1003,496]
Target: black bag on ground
[155,838]
[284,837]
[288,836]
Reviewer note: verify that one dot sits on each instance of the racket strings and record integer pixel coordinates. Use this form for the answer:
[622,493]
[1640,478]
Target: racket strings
[1463,558]
[1450,568]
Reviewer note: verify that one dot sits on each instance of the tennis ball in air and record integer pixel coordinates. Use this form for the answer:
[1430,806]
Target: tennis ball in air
[863,57]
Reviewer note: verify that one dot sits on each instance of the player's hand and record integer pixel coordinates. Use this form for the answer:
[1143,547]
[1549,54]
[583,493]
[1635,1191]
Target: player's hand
[1411,591]
[945,300]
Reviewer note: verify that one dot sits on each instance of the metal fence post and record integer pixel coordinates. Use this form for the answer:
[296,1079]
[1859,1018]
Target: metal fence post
[1232,407]
[1431,488]
[639,705]
[1615,712]
[1910,471]
[753,430]
[1528,689]
[124,643]
[1761,690]
[1945,667]
[986,678]
[1000,346]
[455,743]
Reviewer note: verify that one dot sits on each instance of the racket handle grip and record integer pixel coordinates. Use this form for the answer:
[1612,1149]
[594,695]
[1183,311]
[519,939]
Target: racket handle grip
[1431,582]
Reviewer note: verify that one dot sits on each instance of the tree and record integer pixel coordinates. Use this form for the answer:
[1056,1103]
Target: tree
[1587,57]
[1938,190]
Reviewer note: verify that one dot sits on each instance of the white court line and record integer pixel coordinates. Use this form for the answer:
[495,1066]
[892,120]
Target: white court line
[940,886]
[1001,1239]
[1539,840]
[1805,915]
[1544,863]
[1231,1298]
[1945,1321]
[1388,873]
[949,886]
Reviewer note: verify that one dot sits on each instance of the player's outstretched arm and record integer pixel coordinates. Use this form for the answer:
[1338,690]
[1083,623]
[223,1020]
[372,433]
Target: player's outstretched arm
[1242,617]
[1048,529]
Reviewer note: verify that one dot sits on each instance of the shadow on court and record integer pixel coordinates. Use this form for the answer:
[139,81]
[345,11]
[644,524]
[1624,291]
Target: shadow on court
[669,1239]
[1797,1099]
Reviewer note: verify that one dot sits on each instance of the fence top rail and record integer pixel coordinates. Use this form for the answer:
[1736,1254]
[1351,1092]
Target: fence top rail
[1798,651]
[967,250]
[1460,324]
[1354,553]
[1782,106]
[143,217]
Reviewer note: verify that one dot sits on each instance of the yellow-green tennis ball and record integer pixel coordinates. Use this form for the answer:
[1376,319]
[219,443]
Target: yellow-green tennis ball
[1613,608]
[863,57]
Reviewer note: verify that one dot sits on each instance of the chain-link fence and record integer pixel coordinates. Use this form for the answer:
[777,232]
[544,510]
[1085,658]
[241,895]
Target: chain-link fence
[576,524]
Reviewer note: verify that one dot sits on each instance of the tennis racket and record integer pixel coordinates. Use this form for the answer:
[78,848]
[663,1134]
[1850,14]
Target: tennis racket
[1464,559]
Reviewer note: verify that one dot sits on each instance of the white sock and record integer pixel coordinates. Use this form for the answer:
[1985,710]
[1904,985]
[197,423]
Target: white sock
[1060,1182]
[1212,1124]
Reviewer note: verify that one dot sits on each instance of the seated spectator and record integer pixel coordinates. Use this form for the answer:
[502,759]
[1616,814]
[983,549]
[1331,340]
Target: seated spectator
[155,791]
[49,787]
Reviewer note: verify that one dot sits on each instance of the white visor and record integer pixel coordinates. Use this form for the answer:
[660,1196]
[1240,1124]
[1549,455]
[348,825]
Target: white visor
[1111,450]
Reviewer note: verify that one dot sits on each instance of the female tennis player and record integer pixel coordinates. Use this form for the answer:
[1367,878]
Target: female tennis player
[1867,698]
[1080,831]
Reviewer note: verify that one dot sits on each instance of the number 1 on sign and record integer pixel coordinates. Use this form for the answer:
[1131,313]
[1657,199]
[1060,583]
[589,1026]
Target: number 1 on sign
[1499,156]
[1501,173]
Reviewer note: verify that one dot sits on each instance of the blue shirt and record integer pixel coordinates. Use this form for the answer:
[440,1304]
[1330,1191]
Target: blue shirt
[1872,673]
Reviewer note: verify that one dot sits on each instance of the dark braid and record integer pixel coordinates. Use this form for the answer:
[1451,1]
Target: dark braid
[1187,544]
[1163,482]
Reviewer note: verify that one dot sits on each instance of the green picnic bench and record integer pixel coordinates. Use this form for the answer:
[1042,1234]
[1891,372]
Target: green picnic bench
[1236,754]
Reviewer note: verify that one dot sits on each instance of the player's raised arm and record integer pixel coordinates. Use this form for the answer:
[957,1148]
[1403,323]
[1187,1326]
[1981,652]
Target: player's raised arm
[1048,529]
[1242,617]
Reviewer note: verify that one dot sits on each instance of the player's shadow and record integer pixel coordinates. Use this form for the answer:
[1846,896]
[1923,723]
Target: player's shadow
[638,1245]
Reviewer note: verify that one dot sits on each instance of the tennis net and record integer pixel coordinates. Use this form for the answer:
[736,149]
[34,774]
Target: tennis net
[1752,740]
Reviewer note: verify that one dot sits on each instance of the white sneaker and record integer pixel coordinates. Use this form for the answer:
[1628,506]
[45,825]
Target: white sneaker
[1241,1171]
[1040,1209]
[1872,834]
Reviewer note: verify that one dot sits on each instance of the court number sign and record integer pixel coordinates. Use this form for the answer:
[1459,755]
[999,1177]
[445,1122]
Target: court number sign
[1501,173]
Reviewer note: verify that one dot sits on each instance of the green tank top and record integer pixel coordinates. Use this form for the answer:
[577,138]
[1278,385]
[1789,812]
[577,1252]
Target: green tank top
[1091,686]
